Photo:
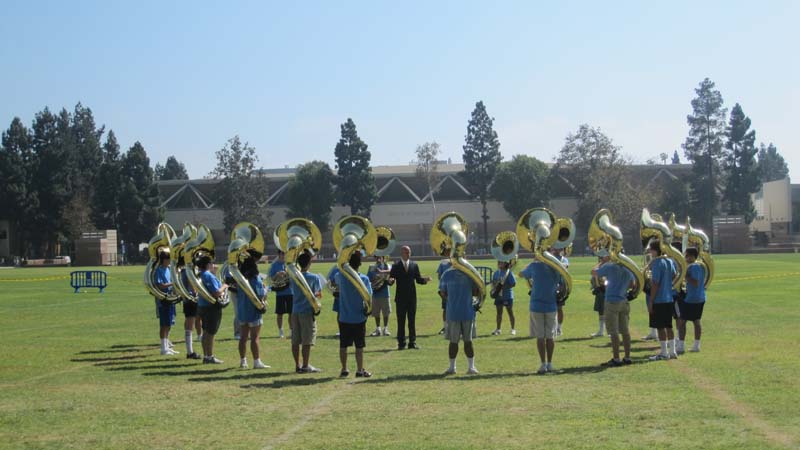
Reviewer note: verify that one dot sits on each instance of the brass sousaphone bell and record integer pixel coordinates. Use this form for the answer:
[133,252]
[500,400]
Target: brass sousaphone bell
[247,242]
[604,235]
[177,264]
[449,231]
[538,230]
[504,247]
[202,245]
[353,234]
[295,237]
[652,227]
[386,245]
[158,244]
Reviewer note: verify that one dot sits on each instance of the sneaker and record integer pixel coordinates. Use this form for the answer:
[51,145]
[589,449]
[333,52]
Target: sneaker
[496,332]
[513,332]
[673,355]
[377,332]
[472,371]
[695,349]
[441,331]
[310,369]
[363,374]
[542,369]
[597,334]
[168,352]
[627,361]
[612,363]
[281,335]
[550,367]
[337,334]
[450,371]
[211,360]
[558,332]
[257,364]
[659,357]
[650,337]
[298,370]
[243,364]
[193,355]
[344,373]
[237,337]
[386,331]
[170,344]
[680,351]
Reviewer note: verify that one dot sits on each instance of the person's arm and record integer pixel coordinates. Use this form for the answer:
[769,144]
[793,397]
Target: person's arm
[691,279]
[419,278]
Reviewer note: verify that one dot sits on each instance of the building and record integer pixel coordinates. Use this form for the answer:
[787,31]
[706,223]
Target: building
[773,204]
[404,203]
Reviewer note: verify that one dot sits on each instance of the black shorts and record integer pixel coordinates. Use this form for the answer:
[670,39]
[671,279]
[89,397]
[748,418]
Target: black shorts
[444,304]
[599,303]
[662,315]
[189,308]
[691,311]
[283,304]
[352,333]
[212,317]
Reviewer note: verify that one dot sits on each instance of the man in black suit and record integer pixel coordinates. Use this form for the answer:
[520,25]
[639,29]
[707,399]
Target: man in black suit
[406,273]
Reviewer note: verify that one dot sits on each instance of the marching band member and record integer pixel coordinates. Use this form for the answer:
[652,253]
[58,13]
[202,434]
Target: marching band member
[331,278]
[560,303]
[166,310]
[443,266]
[457,289]
[250,319]
[228,278]
[191,320]
[381,306]
[660,303]
[210,313]
[692,305]
[303,322]
[599,291]
[283,297]
[617,309]
[505,297]
[543,310]
[352,322]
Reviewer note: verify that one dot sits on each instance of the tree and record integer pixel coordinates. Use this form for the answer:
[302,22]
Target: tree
[109,185]
[17,163]
[520,184]
[771,165]
[428,167]
[674,198]
[242,191]
[704,149]
[663,157]
[311,194]
[139,203]
[171,170]
[675,158]
[355,184]
[481,159]
[740,165]
[85,154]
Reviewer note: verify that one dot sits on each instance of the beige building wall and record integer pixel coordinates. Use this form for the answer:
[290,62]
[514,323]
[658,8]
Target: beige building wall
[773,205]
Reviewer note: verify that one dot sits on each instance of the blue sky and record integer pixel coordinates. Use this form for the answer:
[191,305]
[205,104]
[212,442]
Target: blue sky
[183,77]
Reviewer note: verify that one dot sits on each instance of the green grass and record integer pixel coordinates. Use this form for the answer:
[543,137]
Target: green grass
[83,370]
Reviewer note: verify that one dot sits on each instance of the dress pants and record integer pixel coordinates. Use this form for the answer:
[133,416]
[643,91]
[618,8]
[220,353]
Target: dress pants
[406,308]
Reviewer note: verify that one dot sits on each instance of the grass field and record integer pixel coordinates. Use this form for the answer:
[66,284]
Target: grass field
[83,370]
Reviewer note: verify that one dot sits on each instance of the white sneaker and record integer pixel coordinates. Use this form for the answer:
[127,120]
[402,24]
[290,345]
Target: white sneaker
[377,332]
[558,332]
[169,344]
[659,357]
[450,371]
[386,331]
[650,337]
[673,355]
[496,332]
[597,334]
[243,364]
[237,337]
[472,371]
[513,332]
[257,364]
[542,369]
[337,334]
[695,350]
[169,352]
[280,334]
[550,367]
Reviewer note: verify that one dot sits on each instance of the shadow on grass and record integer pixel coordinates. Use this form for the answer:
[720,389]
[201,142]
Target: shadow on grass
[138,361]
[132,346]
[575,339]
[249,375]
[101,352]
[162,366]
[380,350]
[110,358]
[277,384]
[633,349]
[519,338]
[168,373]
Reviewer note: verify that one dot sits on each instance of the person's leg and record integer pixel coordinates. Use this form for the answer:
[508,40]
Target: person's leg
[343,357]
[401,323]
[615,346]
[210,344]
[469,350]
[662,339]
[255,342]
[279,322]
[499,317]
[306,354]
[412,322]
[560,315]
[360,359]
[681,324]
[452,352]
[541,348]
[296,354]
[626,344]
[698,332]
[244,335]
[188,328]
[511,318]
[551,346]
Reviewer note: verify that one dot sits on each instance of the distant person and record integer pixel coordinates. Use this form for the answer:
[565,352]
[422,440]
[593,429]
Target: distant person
[352,318]
[165,310]
[210,313]
[617,309]
[443,266]
[334,288]
[234,289]
[559,254]
[692,306]
[598,286]
[381,306]
[283,296]
[457,289]
[250,319]
[304,324]
[191,320]
[543,310]
[660,302]
[406,273]
[504,296]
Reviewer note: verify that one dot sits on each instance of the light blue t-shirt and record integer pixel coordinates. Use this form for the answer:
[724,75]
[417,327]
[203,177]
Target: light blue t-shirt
[246,311]
[508,285]
[458,287]
[164,277]
[212,285]
[618,278]
[443,266]
[662,271]
[351,305]
[545,283]
[383,292]
[300,304]
[695,294]
[274,268]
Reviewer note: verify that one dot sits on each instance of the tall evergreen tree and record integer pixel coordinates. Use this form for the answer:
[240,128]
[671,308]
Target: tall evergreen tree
[171,170]
[17,163]
[355,185]
[675,158]
[311,194]
[771,165]
[85,153]
[704,149]
[109,186]
[481,159]
[139,203]
[740,165]
[242,191]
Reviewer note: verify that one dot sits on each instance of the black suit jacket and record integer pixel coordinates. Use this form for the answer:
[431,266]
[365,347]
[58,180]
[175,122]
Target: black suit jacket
[405,287]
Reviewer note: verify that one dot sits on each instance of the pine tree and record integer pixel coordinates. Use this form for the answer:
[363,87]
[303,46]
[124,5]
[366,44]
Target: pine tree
[171,170]
[740,166]
[481,159]
[139,203]
[675,158]
[704,149]
[355,185]
[17,198]
[109,186]
[310,193]
[771,165]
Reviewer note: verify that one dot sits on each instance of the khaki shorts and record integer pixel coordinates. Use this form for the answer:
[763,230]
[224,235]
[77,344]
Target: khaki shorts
[617,316]
[304,329]
[543,325]
[460,329]
[381,306]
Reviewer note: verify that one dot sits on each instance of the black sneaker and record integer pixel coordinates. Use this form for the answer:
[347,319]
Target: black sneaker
[613,363]
[627,361]
[298,370]
[363,374]
[193,355]
[309,369]
[346,373]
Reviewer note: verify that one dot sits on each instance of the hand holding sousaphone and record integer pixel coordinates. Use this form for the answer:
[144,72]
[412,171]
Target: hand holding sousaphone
[604,235]
[294,237]
[201,245]
[651,227]
[538,230]
[449,231]
[352,234]
[158,244]
[177,264]
[247,242]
